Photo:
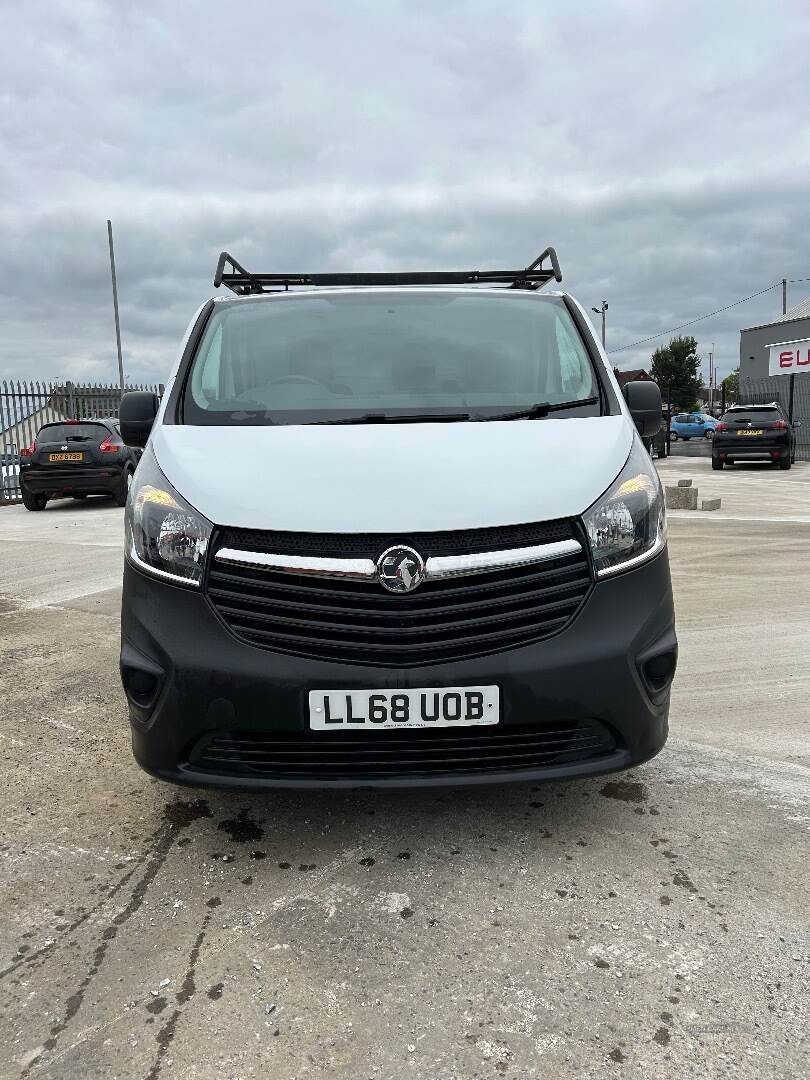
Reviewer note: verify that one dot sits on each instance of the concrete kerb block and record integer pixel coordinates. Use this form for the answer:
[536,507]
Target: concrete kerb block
[681,498]
[710,504]
[684,483]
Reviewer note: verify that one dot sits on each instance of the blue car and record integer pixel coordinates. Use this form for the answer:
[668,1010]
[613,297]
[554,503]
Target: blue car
[692,426]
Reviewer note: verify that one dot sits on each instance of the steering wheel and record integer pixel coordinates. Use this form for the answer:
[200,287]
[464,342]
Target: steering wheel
[295,379]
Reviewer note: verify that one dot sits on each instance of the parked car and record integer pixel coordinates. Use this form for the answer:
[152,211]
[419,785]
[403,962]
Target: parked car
[78,458]
[688,426]
[400,535]
[755,433]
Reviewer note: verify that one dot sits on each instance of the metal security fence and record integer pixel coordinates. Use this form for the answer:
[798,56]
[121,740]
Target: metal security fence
[26,406]
[777,388]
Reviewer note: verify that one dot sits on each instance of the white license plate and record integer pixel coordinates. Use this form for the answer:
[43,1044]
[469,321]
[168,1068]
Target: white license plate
[444,706]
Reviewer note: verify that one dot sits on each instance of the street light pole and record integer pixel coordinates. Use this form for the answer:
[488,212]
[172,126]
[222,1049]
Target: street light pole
[601,311]
[115,307]
[711,378]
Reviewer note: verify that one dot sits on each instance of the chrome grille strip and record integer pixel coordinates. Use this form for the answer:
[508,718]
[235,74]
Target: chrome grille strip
[308,565]
[436,568]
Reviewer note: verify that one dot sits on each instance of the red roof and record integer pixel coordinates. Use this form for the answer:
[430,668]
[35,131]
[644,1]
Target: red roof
[633,375]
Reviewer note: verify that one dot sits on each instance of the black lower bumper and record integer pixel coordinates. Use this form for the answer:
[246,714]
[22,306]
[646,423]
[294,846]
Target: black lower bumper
[750,449]
[593,699]
[79,480]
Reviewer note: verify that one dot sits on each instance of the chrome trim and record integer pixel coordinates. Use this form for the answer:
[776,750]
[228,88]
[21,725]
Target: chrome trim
[405,578]
[436,567]
[353,569]
[439,567]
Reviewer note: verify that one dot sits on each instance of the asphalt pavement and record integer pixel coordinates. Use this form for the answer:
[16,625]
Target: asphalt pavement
[650,924]
[691,448]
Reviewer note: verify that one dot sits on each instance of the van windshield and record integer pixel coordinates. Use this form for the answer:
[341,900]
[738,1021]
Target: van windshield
[352,357]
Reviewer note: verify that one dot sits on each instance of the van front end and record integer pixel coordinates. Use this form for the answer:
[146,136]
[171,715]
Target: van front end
[394,530]
[263,658]
[209,708]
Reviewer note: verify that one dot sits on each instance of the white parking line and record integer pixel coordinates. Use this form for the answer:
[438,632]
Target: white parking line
[719,515]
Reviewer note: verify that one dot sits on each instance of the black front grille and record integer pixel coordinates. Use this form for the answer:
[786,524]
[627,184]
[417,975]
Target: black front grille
[360,623]
[370,545]
[359,755]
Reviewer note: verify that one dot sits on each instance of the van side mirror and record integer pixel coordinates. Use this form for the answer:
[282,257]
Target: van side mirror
[136,416]
[644,402]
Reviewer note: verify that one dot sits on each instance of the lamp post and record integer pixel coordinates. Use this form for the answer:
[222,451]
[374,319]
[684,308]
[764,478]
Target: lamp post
[115,307]
[601,311]
[712,378]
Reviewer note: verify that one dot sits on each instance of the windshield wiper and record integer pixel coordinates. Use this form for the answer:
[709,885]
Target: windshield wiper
[398,418]
[541,409]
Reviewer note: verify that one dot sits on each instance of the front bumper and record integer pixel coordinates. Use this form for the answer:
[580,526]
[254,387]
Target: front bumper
[190,681]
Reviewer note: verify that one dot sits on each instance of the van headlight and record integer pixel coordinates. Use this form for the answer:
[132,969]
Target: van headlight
[628,524]
[165,536]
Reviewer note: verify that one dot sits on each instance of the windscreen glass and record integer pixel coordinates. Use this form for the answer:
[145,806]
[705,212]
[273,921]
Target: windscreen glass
[72,433]
[306,359]
[752,416]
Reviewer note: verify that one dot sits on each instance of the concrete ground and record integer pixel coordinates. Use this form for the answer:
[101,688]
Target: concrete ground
[653,924]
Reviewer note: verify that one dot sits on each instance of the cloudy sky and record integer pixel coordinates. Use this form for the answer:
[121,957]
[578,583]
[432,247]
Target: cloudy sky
[663,148]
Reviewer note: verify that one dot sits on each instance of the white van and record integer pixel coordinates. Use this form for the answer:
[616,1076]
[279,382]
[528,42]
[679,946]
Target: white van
[394,529]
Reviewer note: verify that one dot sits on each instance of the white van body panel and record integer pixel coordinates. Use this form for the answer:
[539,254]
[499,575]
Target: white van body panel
[396,477]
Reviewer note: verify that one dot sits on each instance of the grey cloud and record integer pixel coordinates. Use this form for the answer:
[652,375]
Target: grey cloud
[647,144]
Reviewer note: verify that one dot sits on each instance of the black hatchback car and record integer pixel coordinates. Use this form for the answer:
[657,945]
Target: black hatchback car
[78,458]
[754,433]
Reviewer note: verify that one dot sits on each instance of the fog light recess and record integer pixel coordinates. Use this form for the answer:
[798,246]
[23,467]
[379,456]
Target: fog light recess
[141,686]
[659,670]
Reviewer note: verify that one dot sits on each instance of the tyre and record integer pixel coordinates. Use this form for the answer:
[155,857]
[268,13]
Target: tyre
[717,463]
[121,492]
[784,463]
[708,434]
[34,502]
[674,436]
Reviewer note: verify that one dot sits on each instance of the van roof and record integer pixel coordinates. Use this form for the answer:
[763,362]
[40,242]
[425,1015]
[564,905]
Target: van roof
[303,293]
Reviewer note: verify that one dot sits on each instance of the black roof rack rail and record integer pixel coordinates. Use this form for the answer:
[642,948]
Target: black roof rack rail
[244,283]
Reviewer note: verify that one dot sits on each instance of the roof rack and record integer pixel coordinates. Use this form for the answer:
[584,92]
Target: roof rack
[243,282]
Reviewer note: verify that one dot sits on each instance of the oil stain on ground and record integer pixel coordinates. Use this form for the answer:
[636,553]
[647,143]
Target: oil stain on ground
[187,990]
[176,816]
[242,829]
[624,790]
